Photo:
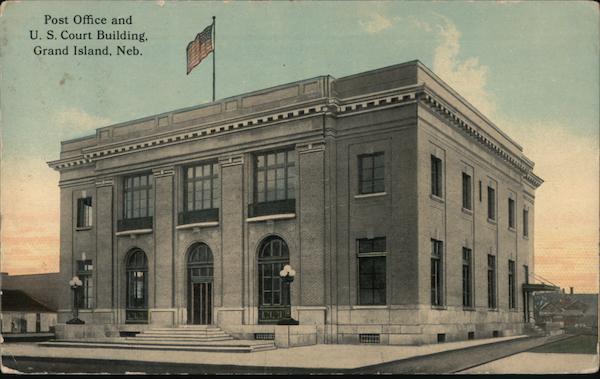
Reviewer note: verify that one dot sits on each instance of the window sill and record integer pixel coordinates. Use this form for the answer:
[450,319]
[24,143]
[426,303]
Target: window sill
[467,211]
[369,195]
[526,237]
[283,216]
[492,309]
[436,198]
[469,309]
[133,232]
[197,225]
[81,228]
[439,307]
[492,221]
[511,229]
[370,307]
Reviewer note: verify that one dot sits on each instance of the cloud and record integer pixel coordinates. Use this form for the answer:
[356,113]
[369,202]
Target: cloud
[75,120]
[420,24]
[468,76]
[375,23]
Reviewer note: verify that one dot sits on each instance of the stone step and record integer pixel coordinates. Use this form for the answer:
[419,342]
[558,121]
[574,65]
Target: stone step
[157,346]
[153,334]
[185,328]
[169,338]
[181,332]
[161,333]
[195,326]
[228,342]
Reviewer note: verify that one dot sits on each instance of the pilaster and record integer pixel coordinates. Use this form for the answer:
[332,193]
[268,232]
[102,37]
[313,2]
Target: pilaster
[104,243]
[232,221]
[163,227]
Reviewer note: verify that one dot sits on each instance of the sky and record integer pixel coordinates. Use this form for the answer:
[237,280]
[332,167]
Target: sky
[530,67]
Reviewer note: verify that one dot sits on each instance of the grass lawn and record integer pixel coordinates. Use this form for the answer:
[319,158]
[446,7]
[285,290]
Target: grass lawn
[582,344]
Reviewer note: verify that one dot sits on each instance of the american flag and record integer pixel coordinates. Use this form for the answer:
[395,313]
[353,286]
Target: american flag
[199,48]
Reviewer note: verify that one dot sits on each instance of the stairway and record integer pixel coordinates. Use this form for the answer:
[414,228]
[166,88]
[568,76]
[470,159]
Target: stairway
[205,338]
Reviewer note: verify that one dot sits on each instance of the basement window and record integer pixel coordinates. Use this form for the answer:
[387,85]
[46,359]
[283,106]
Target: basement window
[264,336]
[369,338]
[441,337]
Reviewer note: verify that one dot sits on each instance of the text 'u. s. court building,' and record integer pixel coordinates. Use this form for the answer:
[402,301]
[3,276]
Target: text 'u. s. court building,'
[405,213]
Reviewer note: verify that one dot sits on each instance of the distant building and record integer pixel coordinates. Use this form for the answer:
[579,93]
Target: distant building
[407,215]
[23,314]
[44,287]
[573,309]
[28,303]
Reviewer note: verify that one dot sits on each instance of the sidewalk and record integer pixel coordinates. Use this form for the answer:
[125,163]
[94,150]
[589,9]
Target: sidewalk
[316,356]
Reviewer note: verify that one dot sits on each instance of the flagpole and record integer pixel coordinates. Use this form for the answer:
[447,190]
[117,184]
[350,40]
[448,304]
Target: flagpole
[214,51]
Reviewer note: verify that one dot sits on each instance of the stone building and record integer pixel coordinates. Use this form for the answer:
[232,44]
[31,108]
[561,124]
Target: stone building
[406,213]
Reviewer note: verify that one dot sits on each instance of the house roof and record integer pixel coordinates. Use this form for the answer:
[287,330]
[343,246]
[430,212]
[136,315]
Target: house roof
[567,303]
[19,301]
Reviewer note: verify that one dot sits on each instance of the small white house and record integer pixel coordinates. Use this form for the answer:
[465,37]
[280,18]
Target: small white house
[23,314]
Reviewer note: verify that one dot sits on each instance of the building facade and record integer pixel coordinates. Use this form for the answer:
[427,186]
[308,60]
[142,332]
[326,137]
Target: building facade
[406,214]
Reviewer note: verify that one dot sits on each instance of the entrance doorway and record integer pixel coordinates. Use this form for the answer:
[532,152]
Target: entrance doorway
[200,284]
[201,303]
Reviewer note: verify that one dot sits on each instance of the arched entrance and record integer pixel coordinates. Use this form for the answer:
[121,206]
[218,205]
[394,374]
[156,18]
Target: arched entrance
[273,294]
[200,284]
[136,268]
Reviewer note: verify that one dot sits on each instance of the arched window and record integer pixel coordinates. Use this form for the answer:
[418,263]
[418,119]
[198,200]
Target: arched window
[274,295]
[137,287]
[200,278]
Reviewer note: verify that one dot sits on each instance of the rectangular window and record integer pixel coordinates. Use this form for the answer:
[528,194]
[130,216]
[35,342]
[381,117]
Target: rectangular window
[436,176]
[511,213]
[491,203]
[138,198]
[275,176]
[84,212]
[526,273]
[201,187]
[480,191]
[466,188]
[467,273]
[86,292]
[525,223]
[371,171]
[512,301]
[372,271]
[491,281]
[437,273]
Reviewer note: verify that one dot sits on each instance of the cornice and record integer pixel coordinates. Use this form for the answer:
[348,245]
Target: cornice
[534,180]
[333,107]
[68,163]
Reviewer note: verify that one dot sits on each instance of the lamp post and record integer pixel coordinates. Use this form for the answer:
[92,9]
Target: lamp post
[287,276]
[75,284]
